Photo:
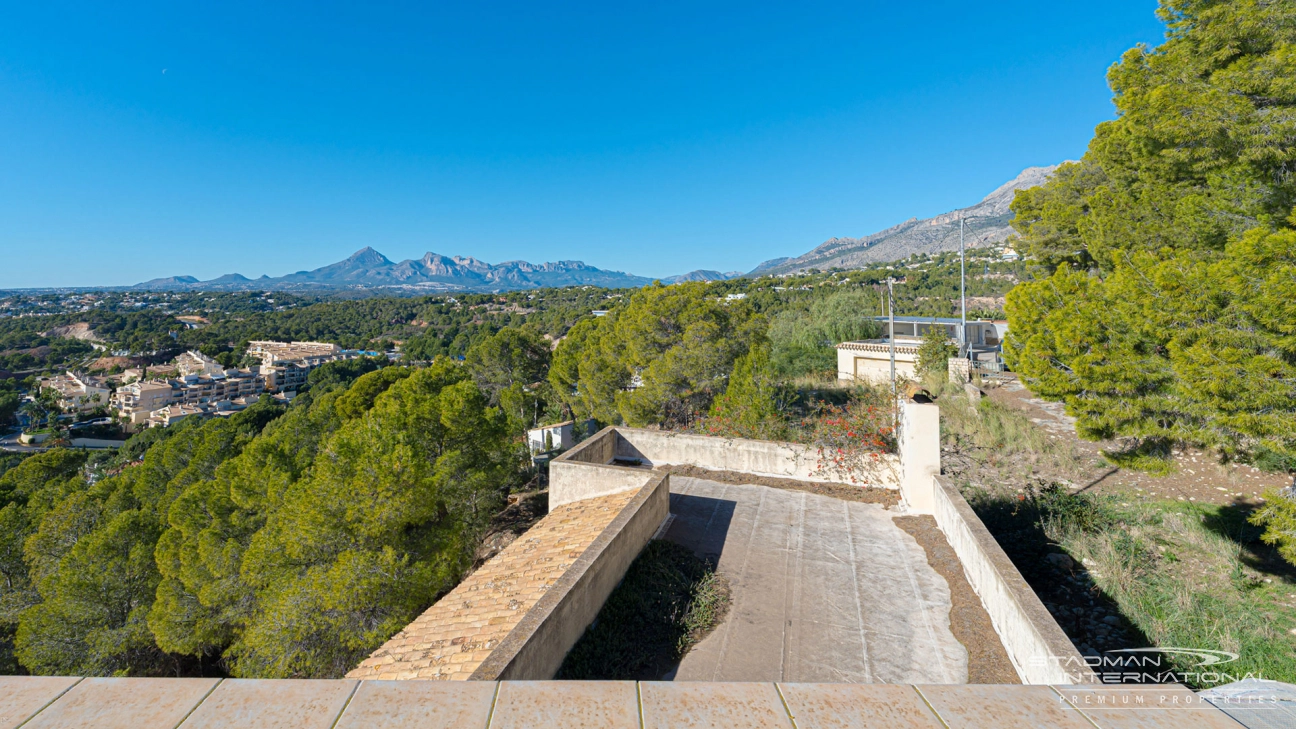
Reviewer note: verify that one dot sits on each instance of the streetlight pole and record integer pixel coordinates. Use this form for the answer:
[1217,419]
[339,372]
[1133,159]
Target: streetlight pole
[963,290]
[891,330]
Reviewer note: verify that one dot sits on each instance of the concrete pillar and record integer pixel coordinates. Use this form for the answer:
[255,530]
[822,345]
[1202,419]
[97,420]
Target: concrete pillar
[919,454]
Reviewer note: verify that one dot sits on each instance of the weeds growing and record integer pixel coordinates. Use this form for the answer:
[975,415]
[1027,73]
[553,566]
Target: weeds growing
[668,601]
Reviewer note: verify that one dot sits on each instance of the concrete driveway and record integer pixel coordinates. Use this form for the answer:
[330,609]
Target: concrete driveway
[824,590]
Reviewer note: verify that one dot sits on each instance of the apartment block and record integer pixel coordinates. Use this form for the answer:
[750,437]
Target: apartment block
[194,362]
[134,402]
[76,392]
[286,365]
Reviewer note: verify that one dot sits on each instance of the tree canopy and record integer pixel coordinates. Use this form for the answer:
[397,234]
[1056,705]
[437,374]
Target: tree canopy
[1166,306]
[269,543]
[659,360]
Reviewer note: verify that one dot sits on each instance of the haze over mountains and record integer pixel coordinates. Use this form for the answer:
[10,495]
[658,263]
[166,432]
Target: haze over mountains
[987,224]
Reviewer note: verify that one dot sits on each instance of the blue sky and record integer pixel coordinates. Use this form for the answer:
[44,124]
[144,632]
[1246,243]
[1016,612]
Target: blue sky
[149,139]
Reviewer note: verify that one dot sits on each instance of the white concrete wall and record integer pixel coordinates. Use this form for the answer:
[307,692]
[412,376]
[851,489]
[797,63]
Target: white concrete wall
[1039,650]
[919,454]
[758,457]
[873,367]
[572,481]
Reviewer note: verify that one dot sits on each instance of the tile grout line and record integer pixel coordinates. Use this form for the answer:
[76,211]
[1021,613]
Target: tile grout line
[1077,709]
[779,689]
[190,712]
[350,696]
[490,715]
[46,705]
[931,708]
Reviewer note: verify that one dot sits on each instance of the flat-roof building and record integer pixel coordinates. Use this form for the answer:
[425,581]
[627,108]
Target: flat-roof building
[286,365]
[76,392]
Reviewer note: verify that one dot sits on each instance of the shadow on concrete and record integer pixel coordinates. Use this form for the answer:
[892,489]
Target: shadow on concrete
[701,524]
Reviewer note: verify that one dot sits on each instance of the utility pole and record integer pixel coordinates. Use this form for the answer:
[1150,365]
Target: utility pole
[963,290]
[891,331]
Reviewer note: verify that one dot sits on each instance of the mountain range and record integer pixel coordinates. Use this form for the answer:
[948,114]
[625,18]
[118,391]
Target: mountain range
[987,223]
[367,268]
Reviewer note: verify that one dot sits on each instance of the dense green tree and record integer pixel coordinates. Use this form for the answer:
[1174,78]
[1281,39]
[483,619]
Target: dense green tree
[27,492]
[384,522]
[803,341]
[511,367]
[202,600]
[935,350]
[92,555]
[753,404]
[1168,251]
[660,359]
[10,401]
[586,375]
[510,357]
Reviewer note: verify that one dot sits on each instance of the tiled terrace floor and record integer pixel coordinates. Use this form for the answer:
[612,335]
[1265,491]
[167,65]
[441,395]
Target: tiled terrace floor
[141,703]
[453,637]
[823,590]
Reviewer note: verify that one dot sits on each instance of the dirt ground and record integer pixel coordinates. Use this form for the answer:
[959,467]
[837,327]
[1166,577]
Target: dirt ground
[107,363]
[1089,616]
[527,509]
[988,662]
[1198,476]
[863,494]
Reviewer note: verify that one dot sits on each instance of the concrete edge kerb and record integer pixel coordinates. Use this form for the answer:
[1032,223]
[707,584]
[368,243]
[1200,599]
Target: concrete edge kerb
[1024,625]
[502,658]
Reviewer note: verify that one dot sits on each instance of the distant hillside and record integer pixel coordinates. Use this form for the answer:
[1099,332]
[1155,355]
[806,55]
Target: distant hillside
[987,223]
[367,268]
[702,275]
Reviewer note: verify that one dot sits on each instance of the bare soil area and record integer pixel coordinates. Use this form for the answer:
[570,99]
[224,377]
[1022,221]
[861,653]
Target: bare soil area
[104,364]
[1198,476]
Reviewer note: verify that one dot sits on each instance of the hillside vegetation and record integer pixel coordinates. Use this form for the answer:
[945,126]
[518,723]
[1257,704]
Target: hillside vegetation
[1168,308]
[267,544]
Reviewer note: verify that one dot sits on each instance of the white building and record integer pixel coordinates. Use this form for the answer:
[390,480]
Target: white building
[76,392]
[557,437]
[134,402]
[286,365]
[137,402]
[194,362]
[870,360]
[174,413]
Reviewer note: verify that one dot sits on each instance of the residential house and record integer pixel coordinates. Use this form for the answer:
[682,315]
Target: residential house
[76,393]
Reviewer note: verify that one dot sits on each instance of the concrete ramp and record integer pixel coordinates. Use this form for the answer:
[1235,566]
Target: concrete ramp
[824,590]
